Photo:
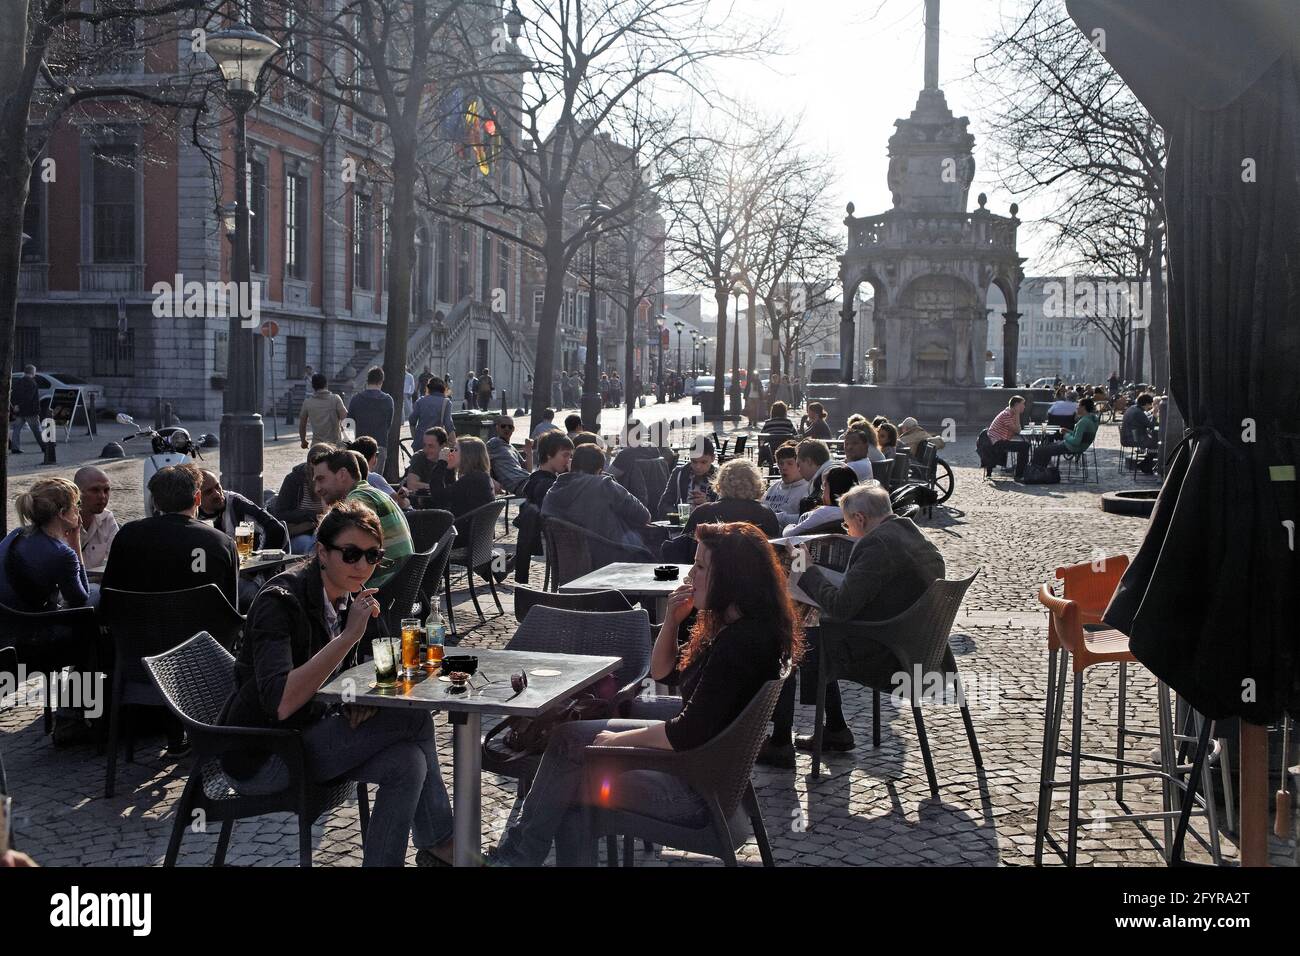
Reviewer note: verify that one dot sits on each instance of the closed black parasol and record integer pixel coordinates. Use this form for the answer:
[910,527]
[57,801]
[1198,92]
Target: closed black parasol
[1210,600]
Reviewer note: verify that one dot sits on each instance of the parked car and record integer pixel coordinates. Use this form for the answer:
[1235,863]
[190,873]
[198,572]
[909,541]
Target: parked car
[704,384]
[1043,383]
[47,382]
[992,381]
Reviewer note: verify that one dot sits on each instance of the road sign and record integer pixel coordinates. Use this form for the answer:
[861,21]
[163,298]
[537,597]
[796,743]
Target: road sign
[270,328]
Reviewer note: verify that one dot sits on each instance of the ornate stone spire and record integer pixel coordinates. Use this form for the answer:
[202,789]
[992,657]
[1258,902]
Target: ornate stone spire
[931,44]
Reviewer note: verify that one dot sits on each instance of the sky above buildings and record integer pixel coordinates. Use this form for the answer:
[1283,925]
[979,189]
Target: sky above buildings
[852,67]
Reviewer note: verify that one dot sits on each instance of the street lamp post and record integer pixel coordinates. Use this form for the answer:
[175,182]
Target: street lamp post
[240,53]
[659,340]
[679,326]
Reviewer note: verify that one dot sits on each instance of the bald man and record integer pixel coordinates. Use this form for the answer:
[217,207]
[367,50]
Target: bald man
[98,526]
[228,509]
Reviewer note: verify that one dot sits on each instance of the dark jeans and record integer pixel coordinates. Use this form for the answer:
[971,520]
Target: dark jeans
[1045,452]
[808,674]
[1021,448]
[551,811]
[16,431]
[394,750]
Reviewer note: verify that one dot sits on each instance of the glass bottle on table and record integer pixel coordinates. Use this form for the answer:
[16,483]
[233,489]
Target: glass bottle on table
[435,636]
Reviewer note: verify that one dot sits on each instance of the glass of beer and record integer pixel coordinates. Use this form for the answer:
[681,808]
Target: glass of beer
[411,628]
[384,650]
[244,540]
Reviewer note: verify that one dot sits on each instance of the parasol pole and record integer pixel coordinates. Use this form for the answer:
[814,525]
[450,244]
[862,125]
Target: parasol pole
[1254,794]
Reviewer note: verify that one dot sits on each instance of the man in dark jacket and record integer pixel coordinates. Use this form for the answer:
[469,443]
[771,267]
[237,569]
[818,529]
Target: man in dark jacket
[174,550]
[890,567]
[228,509]
[595,501]
[297,505]
[371,409]
[691,482]
[25,397]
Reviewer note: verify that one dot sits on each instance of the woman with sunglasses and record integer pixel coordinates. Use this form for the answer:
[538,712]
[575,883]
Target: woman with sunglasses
[743,635]
[300,632]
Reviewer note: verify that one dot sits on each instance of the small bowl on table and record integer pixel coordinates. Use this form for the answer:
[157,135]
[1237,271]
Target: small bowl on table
[459,663]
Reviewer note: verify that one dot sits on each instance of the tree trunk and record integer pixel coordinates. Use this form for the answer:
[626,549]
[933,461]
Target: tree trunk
[552,302]
[1159,327]
[751,357]
[1139,353]
[716,405]
[15,174]
[401,250]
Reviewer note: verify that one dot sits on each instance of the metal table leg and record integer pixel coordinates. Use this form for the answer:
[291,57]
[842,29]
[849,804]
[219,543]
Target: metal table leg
[467,790]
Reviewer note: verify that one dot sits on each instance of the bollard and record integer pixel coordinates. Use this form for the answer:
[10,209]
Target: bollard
[157,412]
[50,452]
[92,415]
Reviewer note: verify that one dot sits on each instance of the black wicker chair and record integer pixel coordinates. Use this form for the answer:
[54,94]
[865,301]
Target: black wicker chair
[477,531]
[718,771]
[434,530]
[48,641]
[141,624]
[602,601]
[553,630]
[572,551]
[196,679]
[918,638]
[403,594]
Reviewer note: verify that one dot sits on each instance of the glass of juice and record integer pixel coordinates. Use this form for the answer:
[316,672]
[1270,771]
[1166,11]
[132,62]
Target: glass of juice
[411,629]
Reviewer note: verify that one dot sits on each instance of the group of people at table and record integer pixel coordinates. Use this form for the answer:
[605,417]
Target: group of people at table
[728,628]
[1007,432]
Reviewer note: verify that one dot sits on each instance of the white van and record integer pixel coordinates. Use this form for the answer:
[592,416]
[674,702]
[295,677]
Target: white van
[825,368]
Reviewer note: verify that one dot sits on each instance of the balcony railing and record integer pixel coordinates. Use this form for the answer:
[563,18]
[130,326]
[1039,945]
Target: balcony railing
[112,277]
[909,230]
[34,278]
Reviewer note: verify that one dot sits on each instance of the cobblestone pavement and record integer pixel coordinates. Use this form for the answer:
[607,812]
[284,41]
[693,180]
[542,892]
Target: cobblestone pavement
[869,807]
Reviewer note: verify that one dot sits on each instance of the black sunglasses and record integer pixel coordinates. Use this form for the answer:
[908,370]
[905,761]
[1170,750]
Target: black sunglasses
[352,554]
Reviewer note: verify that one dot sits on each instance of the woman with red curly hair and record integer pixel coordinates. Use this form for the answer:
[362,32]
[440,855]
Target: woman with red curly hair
[744,633]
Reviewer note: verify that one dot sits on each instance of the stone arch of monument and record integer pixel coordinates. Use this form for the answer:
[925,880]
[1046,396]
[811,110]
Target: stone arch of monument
[933,337]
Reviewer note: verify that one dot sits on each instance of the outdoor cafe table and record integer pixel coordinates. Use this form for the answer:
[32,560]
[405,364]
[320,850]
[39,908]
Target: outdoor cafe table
[674,528]
[466,710]
[634,581]
[1040,433]
[256,563]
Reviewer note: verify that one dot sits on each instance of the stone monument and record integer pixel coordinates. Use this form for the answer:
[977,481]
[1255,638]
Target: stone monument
[930,264]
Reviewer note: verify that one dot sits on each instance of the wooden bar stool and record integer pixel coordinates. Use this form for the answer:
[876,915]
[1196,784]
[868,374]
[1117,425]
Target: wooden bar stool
[1083,649]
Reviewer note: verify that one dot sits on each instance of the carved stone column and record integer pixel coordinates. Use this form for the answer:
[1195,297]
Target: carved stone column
[1010,348]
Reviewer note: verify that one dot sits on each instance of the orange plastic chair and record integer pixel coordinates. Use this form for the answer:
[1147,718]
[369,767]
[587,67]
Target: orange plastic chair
[1087,648]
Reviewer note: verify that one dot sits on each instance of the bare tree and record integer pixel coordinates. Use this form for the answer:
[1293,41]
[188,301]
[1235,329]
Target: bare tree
[585,61]
[1070,131]
[714,204]
[385,63]
[54,55]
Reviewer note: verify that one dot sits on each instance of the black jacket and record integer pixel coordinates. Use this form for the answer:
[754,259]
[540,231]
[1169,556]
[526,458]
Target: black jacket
[285,629]
[602,506]
[678,489]
[25,396]
[268,531]
[888,571]
[172,553]
[288,503]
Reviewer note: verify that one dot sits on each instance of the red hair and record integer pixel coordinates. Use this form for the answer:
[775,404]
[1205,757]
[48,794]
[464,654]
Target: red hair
[754,583]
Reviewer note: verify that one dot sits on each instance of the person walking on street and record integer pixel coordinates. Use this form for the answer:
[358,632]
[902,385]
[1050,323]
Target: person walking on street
[485,389]
[434,409]
[324,410]
[408,394]
[25,399]
[471,391]
[372,411]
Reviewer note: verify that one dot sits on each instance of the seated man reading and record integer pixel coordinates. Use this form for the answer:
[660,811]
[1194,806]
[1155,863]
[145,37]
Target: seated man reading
[890,567]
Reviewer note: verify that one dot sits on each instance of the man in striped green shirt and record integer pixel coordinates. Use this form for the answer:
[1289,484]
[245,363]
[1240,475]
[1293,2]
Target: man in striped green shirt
[339,476]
